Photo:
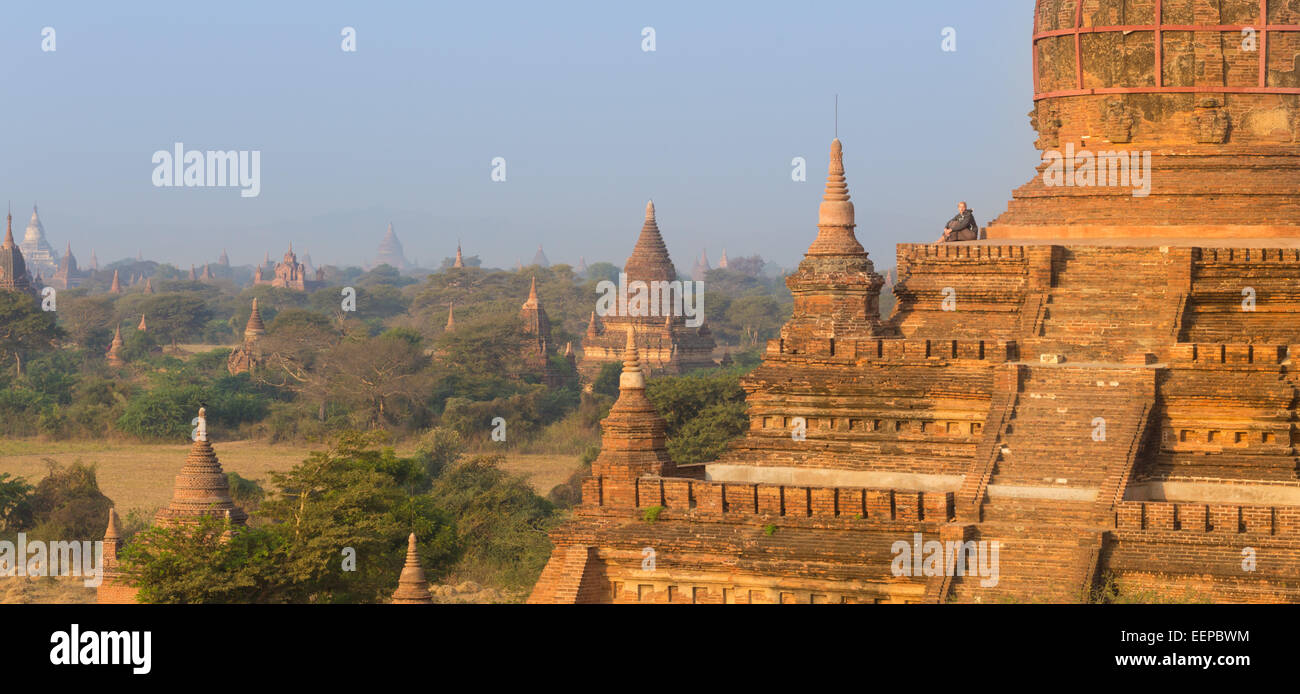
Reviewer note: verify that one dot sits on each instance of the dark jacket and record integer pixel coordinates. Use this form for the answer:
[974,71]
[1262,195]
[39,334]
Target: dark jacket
[963,226]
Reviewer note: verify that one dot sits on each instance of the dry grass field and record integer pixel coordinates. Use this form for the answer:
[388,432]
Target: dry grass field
[136,475]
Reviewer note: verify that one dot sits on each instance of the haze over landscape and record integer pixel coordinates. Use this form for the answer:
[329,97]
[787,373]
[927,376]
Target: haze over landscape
[405,128]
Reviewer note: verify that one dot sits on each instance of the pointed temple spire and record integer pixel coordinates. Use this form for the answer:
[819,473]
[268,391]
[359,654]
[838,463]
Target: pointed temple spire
[633,436]
[632,377]
[451,317]
[412,586]
[148,285]
[201,486]
[722,262]
[460,260]
[255,327]
[116,287]
[835,218]
[112,532]
[142,327]
[115,349]
[649,260]
[193,277]
[593,326]
[112,539]
[532,295]
[836,289]
[9,232]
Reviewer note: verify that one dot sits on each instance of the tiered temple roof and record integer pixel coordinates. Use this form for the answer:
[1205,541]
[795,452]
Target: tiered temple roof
[68,274]
[666,343]
[390,251]
[201,488]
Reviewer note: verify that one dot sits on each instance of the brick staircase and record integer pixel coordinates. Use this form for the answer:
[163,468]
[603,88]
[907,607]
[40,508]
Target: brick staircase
[1107,304]
[1052,485]
[1037,561]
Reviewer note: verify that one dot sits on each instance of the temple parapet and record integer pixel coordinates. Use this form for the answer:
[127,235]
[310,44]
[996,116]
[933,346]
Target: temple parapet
[893,350]
[717,499]
[949,251]
[1207,518]
[1231,356]
[1246,255]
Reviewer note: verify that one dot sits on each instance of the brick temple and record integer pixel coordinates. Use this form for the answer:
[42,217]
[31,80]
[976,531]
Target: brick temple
[1104,387]
[666,343]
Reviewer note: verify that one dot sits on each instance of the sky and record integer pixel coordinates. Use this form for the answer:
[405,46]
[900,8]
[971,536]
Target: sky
[405,128]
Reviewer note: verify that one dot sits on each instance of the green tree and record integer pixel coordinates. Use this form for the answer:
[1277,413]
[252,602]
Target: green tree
[176,316]
[356,495]
[208,562]
[15,503]
[502,522]
[24,329]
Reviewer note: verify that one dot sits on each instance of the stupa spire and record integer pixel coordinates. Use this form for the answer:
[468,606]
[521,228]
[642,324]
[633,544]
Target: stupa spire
[835,217]
[112,532]
[255,327]
[593,326]
[9,231]
[142,327]
[148,285]
[460,260]
[116,287]
[451,317]
[532,301]
[412,586]
[114,356]
[633,436]
[632,377]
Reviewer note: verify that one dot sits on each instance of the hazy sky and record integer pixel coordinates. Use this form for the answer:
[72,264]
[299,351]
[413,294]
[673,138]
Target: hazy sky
[405,129]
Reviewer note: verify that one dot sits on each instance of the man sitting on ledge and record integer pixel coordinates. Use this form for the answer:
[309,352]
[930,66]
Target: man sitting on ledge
[962,227]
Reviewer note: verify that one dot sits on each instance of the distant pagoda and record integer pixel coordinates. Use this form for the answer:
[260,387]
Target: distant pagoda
[40,257]
[666,344]
[248,356]
[390,251]
[13,268]
[539,258]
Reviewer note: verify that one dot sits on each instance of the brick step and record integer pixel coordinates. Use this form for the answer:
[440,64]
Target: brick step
[1040,476]
[1035,564]
[1051,514]
[1069,426]
[1075,479]
[1047,409]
